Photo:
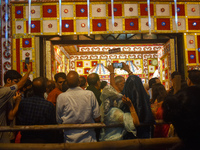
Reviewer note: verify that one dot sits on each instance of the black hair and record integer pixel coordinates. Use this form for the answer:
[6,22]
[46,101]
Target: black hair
[194,76]
[82,81]
[93,78]
[182,110]
[12,74]
[60,74]
[158,92]
[103,84]
[174,74]
[152,81]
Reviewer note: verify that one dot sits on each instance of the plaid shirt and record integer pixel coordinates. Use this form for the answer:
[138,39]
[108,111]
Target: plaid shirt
[36,111]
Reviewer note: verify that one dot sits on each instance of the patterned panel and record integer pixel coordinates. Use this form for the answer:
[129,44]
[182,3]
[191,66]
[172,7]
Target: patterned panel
[180,10]
[67,25]
[144,10]
[190,41]
[98,10]
[131,24]
[67,11]
[35,27]
[118,25]
[19,12]
[181,24]
[162,10]
[81,25]
[99,24]
[145,24]
[35,12]
[19,27]
[49,11]
[50,26]
[81,10]
[117,10]
[193,10]
[163,24]
[130,9]
[194,24]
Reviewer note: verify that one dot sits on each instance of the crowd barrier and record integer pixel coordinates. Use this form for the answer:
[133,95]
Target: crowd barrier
[65,126]
[135,144]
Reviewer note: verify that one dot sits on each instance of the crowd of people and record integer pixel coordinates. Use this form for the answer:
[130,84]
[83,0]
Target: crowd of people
[73,99]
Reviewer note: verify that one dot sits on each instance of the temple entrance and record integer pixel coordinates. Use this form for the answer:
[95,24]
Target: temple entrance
[148,56]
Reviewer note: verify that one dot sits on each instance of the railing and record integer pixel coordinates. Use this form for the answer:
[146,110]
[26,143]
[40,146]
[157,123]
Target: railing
[135,144]
[65,126]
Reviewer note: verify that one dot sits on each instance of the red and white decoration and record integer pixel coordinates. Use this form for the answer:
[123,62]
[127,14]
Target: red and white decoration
[67,11]
[98,10]
[130,10]
[35,11]
[193,10]
[190,38]
[118,25]
[81,25]
[162,10]
[50,26]
[181,24]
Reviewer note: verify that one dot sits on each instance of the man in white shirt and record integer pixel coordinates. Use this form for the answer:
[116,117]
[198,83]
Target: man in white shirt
[77,106]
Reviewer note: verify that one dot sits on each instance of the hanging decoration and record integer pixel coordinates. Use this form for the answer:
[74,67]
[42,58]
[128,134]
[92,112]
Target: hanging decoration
[6,20]
[60,16]
[112,12]
[149,15]
[29,16]
[88,12]
[176,16]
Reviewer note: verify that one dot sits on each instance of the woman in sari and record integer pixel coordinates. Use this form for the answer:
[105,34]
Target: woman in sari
[134,89]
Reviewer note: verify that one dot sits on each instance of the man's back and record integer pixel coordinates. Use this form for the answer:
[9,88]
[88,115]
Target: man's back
[36,111]
[77,106]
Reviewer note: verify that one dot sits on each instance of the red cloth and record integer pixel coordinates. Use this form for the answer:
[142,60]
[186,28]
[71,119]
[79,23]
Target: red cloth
[161,130]
[52,97]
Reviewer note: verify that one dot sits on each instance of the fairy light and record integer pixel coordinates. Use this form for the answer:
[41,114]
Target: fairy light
[149,16]
[88,11]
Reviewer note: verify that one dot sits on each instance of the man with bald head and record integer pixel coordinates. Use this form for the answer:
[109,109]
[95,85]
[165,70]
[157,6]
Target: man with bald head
[36,110]
[77,106]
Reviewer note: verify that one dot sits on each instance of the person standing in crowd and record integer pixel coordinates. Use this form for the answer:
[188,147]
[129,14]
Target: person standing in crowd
[94,85]
[158,95]
[182,110]
[13,81]
[83,82]
[151,82]
[103,84]
[50,86]
[77,106]
[134,89]
[60,79]
[112,114]
[36,110]
[193,77]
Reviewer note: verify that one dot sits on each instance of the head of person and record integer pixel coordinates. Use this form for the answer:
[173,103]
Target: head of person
[73,79]
[119,82]
[27,85]
[50,86]
[83,82]
[60,79]
[153,81]
[193,77]
[94,80]
[182,110]
[134,89]
[103,84]
[39,86]
[158,92]
[12,77]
